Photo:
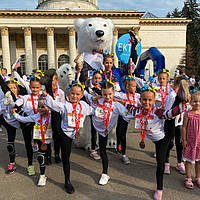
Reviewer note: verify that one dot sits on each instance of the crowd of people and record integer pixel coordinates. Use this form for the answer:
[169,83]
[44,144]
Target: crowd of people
[163,109]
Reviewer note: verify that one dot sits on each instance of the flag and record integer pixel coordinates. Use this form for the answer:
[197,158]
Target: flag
[17,63]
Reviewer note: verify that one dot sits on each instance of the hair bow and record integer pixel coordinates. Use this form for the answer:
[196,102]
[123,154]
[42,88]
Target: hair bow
[147,88]
[129,77]
[40,71]
[108,53]
[105,81]
[165,71]
[194,90]
[76,83]
[32,77]
[18,82]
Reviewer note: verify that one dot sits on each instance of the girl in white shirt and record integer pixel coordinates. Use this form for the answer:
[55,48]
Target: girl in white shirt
[104,120]
[42,133]
[73,113]
[129,98]
[29,104]
[149,120]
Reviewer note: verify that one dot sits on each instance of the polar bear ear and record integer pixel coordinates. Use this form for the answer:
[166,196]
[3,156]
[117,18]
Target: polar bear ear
[111,24]
[78,23]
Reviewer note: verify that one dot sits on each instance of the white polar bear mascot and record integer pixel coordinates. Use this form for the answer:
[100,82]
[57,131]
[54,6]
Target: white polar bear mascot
[95,35]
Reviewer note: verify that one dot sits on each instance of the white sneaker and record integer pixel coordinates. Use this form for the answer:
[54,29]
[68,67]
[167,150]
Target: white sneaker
[104,179]
[95,155]
[42,180]
[125,160]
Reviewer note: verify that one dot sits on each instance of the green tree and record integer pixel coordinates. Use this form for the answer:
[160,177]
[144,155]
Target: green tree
[176,13]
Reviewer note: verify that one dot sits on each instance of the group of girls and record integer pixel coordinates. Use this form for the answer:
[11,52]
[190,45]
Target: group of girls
[111,101]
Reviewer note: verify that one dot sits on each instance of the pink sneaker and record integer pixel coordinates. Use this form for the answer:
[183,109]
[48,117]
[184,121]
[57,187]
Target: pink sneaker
[11,168]
[181,168]
[158,195]
[167,168]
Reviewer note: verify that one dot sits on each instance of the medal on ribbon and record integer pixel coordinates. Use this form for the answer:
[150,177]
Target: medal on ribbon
[106,118]
[77,118]
[43,133]
[143,126]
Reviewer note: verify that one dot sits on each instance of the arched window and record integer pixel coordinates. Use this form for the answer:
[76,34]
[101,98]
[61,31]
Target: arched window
[1,61]
[43,62]
[23,64]
[63,59]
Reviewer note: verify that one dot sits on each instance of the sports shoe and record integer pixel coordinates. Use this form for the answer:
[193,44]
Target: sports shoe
[167,168]
[57,158]
[104,179]
[154,155]
[95,155]
[69,188]
[183,91]
[125,160]
[42,180]
[158,195]
[11,168]
[181,168]
[31,170]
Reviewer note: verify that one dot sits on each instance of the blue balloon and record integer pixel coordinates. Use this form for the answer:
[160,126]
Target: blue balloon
[123,48]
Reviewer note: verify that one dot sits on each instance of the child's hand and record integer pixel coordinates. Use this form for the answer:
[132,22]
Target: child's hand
[79,67]
[95,99]
[14,110]
[184,143]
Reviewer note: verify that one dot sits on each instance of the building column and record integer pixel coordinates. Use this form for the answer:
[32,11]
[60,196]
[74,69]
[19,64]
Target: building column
[12,49]
[5,49]
[34,51]
[51,48]
[72,46]
[28,50]
[115,39]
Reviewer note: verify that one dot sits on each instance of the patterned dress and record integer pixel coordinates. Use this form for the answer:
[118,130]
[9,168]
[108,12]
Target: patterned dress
[192,151]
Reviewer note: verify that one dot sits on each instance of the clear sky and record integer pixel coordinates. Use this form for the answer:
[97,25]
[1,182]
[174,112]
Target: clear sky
[157,7]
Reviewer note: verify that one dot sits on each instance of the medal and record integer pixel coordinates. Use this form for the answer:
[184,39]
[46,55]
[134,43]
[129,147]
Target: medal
[77,118]
[142,145]
[106,132]
[162,94]
[43,133]
[43,147]
[143,130]
[106,118]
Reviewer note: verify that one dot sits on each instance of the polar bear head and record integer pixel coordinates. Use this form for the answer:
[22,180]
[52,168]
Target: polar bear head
[94,34]
[66,73]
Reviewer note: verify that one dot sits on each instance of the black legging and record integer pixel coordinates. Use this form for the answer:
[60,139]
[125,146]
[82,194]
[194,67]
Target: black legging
[66,145]
[93,135]
[27,131]
[11,131]
[56,128]
[103,154]
[42,156]
[121,130]
[161,150]
[179,146]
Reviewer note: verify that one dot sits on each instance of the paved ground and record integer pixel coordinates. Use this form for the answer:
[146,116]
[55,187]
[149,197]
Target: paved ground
[135,181]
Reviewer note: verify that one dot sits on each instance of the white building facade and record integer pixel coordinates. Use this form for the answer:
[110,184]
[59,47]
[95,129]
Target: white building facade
[45,37]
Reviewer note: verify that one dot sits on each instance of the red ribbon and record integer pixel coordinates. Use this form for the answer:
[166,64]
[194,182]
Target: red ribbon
[105,75]
[147,116]
[133,102]
[46,126]
[163,95]
[32,100]
[106,119]
[77,116]
[55,92]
